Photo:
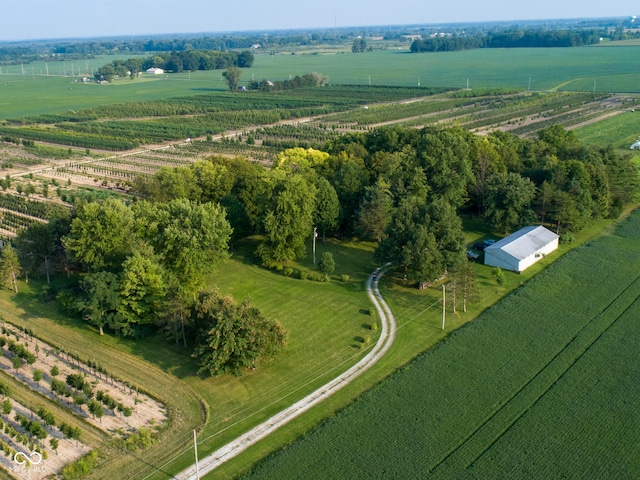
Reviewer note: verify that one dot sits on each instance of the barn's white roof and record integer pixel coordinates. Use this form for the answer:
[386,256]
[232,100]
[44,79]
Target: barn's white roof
[524,242]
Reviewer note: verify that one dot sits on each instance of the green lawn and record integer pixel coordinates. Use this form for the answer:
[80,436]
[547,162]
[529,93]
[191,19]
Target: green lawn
[620,131]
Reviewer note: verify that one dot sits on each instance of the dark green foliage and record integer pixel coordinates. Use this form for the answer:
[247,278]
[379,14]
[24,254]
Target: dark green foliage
[507,202]
[46,416]
[6,407]
[327,264]
[515,37]
[75,380]
[359,45]
[70,431]
[233,337]
[95,409]
[5,391]
[288,222]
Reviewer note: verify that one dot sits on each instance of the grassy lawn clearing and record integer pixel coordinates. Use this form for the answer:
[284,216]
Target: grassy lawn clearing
[619,131]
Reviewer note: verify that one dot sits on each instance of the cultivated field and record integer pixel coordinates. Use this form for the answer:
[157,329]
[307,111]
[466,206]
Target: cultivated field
[569,69]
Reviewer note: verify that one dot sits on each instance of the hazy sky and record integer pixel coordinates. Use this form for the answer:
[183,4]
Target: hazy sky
[36,19]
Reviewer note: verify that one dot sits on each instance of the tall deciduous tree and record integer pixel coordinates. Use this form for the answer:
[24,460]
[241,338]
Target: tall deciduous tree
[423,240]
[327,207]
[359,45]
[188,238]
[142,291]
[374,213]
[508,201]
[349,180]
[101,300]
[9,268]
[289,221]
[444,155]
[233,337]
[101,234]
[35,245]
[232,76]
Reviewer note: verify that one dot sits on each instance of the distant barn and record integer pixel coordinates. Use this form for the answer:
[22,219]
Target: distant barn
[521,249]
[155,71]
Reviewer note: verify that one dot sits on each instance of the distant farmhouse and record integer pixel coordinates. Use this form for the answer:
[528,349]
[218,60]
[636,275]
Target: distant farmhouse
[155,71]
[520,250]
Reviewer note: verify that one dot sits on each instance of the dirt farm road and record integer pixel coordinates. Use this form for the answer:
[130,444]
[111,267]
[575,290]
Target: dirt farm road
[387,336]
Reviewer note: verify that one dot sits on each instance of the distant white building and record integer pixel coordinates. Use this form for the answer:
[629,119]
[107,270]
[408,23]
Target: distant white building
[635,146]
[521,249]
[155,71]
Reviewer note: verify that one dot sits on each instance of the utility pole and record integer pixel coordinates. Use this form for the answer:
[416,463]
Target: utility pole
[443,306]
[195,449]
[315,234]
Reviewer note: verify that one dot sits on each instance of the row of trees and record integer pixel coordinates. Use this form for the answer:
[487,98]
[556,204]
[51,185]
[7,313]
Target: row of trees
[510,38]
[176,62]
[305,81]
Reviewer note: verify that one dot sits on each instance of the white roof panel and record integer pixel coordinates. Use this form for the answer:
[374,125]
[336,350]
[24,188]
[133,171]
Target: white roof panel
[525,241]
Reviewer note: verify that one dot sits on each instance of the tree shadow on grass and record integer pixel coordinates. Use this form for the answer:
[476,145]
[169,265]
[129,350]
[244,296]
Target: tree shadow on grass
[155,348]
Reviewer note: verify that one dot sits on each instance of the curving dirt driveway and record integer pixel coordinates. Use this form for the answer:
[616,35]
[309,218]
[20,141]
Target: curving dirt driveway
[387,336]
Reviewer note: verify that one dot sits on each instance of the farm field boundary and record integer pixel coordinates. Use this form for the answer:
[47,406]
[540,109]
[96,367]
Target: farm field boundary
[542,359]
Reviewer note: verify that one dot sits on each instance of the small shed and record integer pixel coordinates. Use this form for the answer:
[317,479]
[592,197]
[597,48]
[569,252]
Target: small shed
[521,249]
[155,71]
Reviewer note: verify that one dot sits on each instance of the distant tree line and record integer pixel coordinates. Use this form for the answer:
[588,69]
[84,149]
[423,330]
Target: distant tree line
[511,38]
[176,62]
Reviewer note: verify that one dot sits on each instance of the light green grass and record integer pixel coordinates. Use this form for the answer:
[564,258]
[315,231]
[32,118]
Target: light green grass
[549,68]
[619,131]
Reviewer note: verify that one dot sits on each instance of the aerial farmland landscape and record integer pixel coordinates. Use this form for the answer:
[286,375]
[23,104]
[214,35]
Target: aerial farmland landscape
[293,243]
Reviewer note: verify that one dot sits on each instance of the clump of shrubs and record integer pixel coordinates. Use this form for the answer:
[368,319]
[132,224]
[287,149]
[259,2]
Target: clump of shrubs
[344,278]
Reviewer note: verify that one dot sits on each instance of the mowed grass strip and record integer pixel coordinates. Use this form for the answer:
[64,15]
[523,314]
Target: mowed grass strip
[417,419]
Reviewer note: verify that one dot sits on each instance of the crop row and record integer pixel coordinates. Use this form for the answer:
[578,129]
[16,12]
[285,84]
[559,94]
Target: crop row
[12,222]
[503,113]
[339,96]
[67,137]
[566,119]
[33,208]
